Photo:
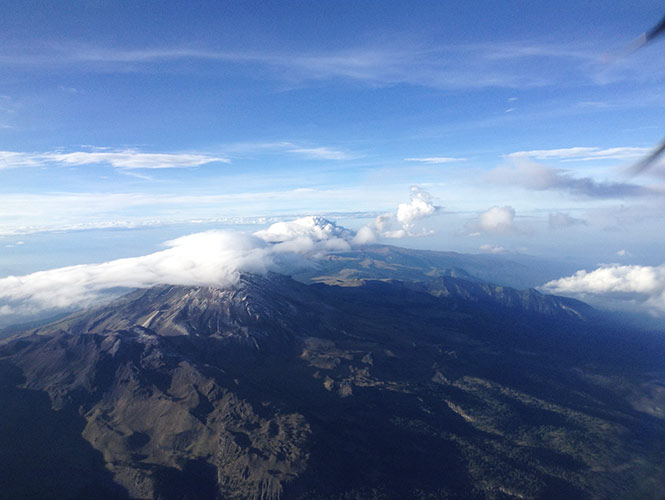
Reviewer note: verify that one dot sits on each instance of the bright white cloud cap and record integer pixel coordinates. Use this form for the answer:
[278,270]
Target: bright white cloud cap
[207,258]
[644,285]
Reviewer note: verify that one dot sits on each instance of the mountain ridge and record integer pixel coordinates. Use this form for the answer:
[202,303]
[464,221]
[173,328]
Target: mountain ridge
[257,299]
[280,390]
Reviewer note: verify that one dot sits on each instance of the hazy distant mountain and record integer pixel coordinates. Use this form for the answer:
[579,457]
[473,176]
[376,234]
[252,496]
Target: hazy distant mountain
[390,262]
[446,388]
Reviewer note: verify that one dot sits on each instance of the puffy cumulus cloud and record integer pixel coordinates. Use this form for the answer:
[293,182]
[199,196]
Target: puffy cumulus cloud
[307,235]
[364,236]
[561,220]
[207,258]
[418,208]
[402,223]
[493,221]
[496,220]
[531,175]
[314,227]
[643,286]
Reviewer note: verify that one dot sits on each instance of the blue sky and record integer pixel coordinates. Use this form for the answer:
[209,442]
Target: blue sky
[518,118]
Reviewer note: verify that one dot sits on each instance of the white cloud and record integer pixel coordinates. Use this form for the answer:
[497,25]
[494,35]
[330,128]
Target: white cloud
[583,153]
[125,159]
[435,159]
[418,208]
[365,236]
[531,175]
[495,249]
[403,223]
[643,286]
[11,159]
[518,65]
[214,257]
[288,147]
[624,253]
[207,258]
[322,153]
[497,220]
[307,235]
[561,220]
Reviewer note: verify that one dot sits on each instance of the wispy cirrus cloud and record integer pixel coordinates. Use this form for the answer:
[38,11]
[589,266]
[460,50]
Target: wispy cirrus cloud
[124,159]
[471,65]
[132,159]
[435,160]
[583,154]
[322,153]
[289,147]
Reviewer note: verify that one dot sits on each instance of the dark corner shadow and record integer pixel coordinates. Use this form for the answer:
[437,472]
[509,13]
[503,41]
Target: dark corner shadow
[42,452]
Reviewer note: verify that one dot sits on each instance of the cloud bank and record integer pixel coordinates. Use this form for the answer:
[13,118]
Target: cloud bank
[206,258]
[631,285]
[534,176]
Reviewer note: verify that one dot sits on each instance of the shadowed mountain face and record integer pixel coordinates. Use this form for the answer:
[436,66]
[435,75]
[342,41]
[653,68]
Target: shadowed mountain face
[278,390]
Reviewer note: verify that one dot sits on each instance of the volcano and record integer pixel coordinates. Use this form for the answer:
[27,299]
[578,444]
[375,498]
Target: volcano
[274,389]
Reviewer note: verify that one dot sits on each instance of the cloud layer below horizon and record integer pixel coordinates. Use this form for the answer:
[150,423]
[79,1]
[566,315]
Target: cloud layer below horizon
[206,258]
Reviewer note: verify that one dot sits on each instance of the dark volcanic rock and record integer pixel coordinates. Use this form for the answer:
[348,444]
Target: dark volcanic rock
[444,389]
[255,307]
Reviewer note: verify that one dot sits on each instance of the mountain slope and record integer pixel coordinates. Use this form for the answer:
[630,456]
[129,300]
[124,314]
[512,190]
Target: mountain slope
[390,262]
[274,389]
